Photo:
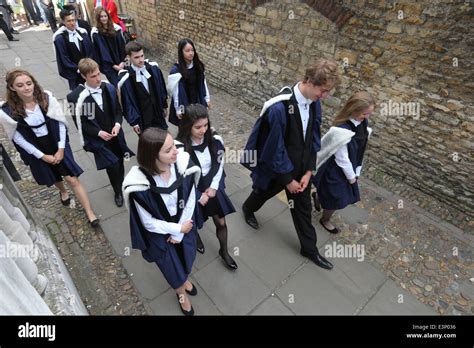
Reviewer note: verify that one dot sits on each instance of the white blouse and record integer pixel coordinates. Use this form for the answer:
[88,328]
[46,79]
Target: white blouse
[206,163]
[170,200]
[34,118]
[343,161]
[207,97]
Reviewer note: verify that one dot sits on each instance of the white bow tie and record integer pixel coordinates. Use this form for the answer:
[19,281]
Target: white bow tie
[75,34]
[95,90]
[142,73]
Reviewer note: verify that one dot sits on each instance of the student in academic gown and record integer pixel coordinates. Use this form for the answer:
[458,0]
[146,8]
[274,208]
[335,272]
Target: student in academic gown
[34,120]
[207,151]
[80,23]
[186,81]
[161,196]
[143,91]
[98,117]
[71,45]
[339,169]
[286,138]
[109,45]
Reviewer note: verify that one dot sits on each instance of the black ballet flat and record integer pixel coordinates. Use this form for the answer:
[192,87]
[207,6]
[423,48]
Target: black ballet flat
[95,223]
[193,291]
[66,202]
[231,264]
[335,230]
[186,313]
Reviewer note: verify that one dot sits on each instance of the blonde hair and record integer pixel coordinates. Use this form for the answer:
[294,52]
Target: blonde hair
[357,103]
[323,71]
[87,66]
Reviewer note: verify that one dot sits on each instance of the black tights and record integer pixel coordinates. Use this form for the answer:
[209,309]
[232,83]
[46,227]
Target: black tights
[221,233]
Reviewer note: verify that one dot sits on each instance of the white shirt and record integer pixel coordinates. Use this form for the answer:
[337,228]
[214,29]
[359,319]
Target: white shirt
[207,97]
[343,161]
[96,93]
[142,76]
[206,163]
[74,37]
[34,118]
[303,107]
[170,200]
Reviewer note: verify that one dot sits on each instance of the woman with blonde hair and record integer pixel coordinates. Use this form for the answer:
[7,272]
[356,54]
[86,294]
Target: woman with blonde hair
[35,122]
[336,178]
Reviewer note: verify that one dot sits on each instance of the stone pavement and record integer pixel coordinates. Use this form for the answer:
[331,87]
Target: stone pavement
[396,258]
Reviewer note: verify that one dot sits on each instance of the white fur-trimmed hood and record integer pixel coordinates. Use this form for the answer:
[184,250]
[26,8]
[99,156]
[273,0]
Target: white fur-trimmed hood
[55,111]
[172,85]
[136,181]
[127,74]
[277,99]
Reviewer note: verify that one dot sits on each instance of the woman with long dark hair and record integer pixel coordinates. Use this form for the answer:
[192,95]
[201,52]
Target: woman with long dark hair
[207,151]
[109,45]
[187,82]
[34,120]
[161,197]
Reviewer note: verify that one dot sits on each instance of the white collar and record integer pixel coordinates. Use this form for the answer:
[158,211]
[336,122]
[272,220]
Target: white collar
[137,69]
[299,97]
[190,66]
[355,122]
[91,89]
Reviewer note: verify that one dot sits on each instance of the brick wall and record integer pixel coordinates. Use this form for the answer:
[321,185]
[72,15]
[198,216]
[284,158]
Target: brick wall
[414,56]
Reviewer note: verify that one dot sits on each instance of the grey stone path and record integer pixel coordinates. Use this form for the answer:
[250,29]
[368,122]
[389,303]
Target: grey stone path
[272,277]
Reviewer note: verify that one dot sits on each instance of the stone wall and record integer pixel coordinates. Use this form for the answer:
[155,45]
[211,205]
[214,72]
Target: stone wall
[415,58]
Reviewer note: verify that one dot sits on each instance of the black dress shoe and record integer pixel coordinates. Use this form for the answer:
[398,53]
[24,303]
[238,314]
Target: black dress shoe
[13,39]
[250,219]
[229,262]
[13,31]
[193,291]
[95,223]
[317,205]
[335,230]
[200,245]
[65,202]
[318,260]
[118,200]
[186,313]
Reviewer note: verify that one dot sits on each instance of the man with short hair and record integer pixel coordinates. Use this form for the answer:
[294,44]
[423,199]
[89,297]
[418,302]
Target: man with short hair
[96,111]
[143,91]
[286,138]
[71,45]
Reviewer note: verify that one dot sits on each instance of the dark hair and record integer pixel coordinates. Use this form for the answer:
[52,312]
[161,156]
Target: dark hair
[133,46]
[108,29]
[182,63]
[150,143]
[67,12]
[193,113]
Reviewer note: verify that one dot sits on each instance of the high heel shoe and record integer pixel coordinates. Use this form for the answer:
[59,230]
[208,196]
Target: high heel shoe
[186,313]
[200,246]
[317,205]
[229,262]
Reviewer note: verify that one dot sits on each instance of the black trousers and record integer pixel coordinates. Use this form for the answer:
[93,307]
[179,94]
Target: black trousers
[5,29]
[116,172]
[50,16]
[300,208]
[30,9]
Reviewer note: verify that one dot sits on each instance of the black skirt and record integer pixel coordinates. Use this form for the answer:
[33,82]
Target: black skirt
[48,148]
